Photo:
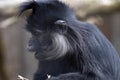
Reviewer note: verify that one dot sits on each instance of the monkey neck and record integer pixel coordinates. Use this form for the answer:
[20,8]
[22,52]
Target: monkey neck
[65,64]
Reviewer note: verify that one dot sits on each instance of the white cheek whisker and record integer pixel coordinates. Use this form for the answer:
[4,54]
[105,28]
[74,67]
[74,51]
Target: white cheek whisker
[60,46]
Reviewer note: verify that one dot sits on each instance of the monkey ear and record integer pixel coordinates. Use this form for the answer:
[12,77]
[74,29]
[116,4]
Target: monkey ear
[61,26]
[26,6]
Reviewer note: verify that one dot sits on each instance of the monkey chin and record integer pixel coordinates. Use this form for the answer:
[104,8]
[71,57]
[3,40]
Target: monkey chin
[38,56]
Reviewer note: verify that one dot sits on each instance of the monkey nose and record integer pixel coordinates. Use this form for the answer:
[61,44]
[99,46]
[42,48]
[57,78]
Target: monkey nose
[31,48]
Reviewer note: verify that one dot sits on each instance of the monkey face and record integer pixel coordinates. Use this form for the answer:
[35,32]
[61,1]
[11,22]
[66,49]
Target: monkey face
[49,44]
[39,44]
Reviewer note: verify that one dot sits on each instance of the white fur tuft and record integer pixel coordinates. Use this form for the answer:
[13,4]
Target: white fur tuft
[60,47]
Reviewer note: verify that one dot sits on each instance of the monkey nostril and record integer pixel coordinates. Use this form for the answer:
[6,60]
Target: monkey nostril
[31,48]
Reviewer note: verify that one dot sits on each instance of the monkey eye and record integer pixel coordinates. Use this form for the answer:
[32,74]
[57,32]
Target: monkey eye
[37,32]
[60,22]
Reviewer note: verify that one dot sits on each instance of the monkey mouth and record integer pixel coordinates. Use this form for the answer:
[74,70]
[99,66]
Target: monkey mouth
[39,56]
[32,51]
[36,54]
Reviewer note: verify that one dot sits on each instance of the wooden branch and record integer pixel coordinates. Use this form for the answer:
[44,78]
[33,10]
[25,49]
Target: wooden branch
[7,22]
[98,9]
[8,7]
[83,8]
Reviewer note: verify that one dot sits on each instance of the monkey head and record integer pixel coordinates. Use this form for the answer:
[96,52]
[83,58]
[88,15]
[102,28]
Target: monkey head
[49,24]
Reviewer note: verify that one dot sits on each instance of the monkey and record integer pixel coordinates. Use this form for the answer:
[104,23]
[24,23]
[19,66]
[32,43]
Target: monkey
[66,48]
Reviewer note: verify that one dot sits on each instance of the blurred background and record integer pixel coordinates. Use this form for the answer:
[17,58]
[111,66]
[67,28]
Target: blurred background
[16,60]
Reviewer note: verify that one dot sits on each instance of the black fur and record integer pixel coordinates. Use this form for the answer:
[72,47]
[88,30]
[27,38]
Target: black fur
[66,48]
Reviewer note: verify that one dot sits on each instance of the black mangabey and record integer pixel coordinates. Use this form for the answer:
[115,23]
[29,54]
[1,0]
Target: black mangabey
[66,48]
